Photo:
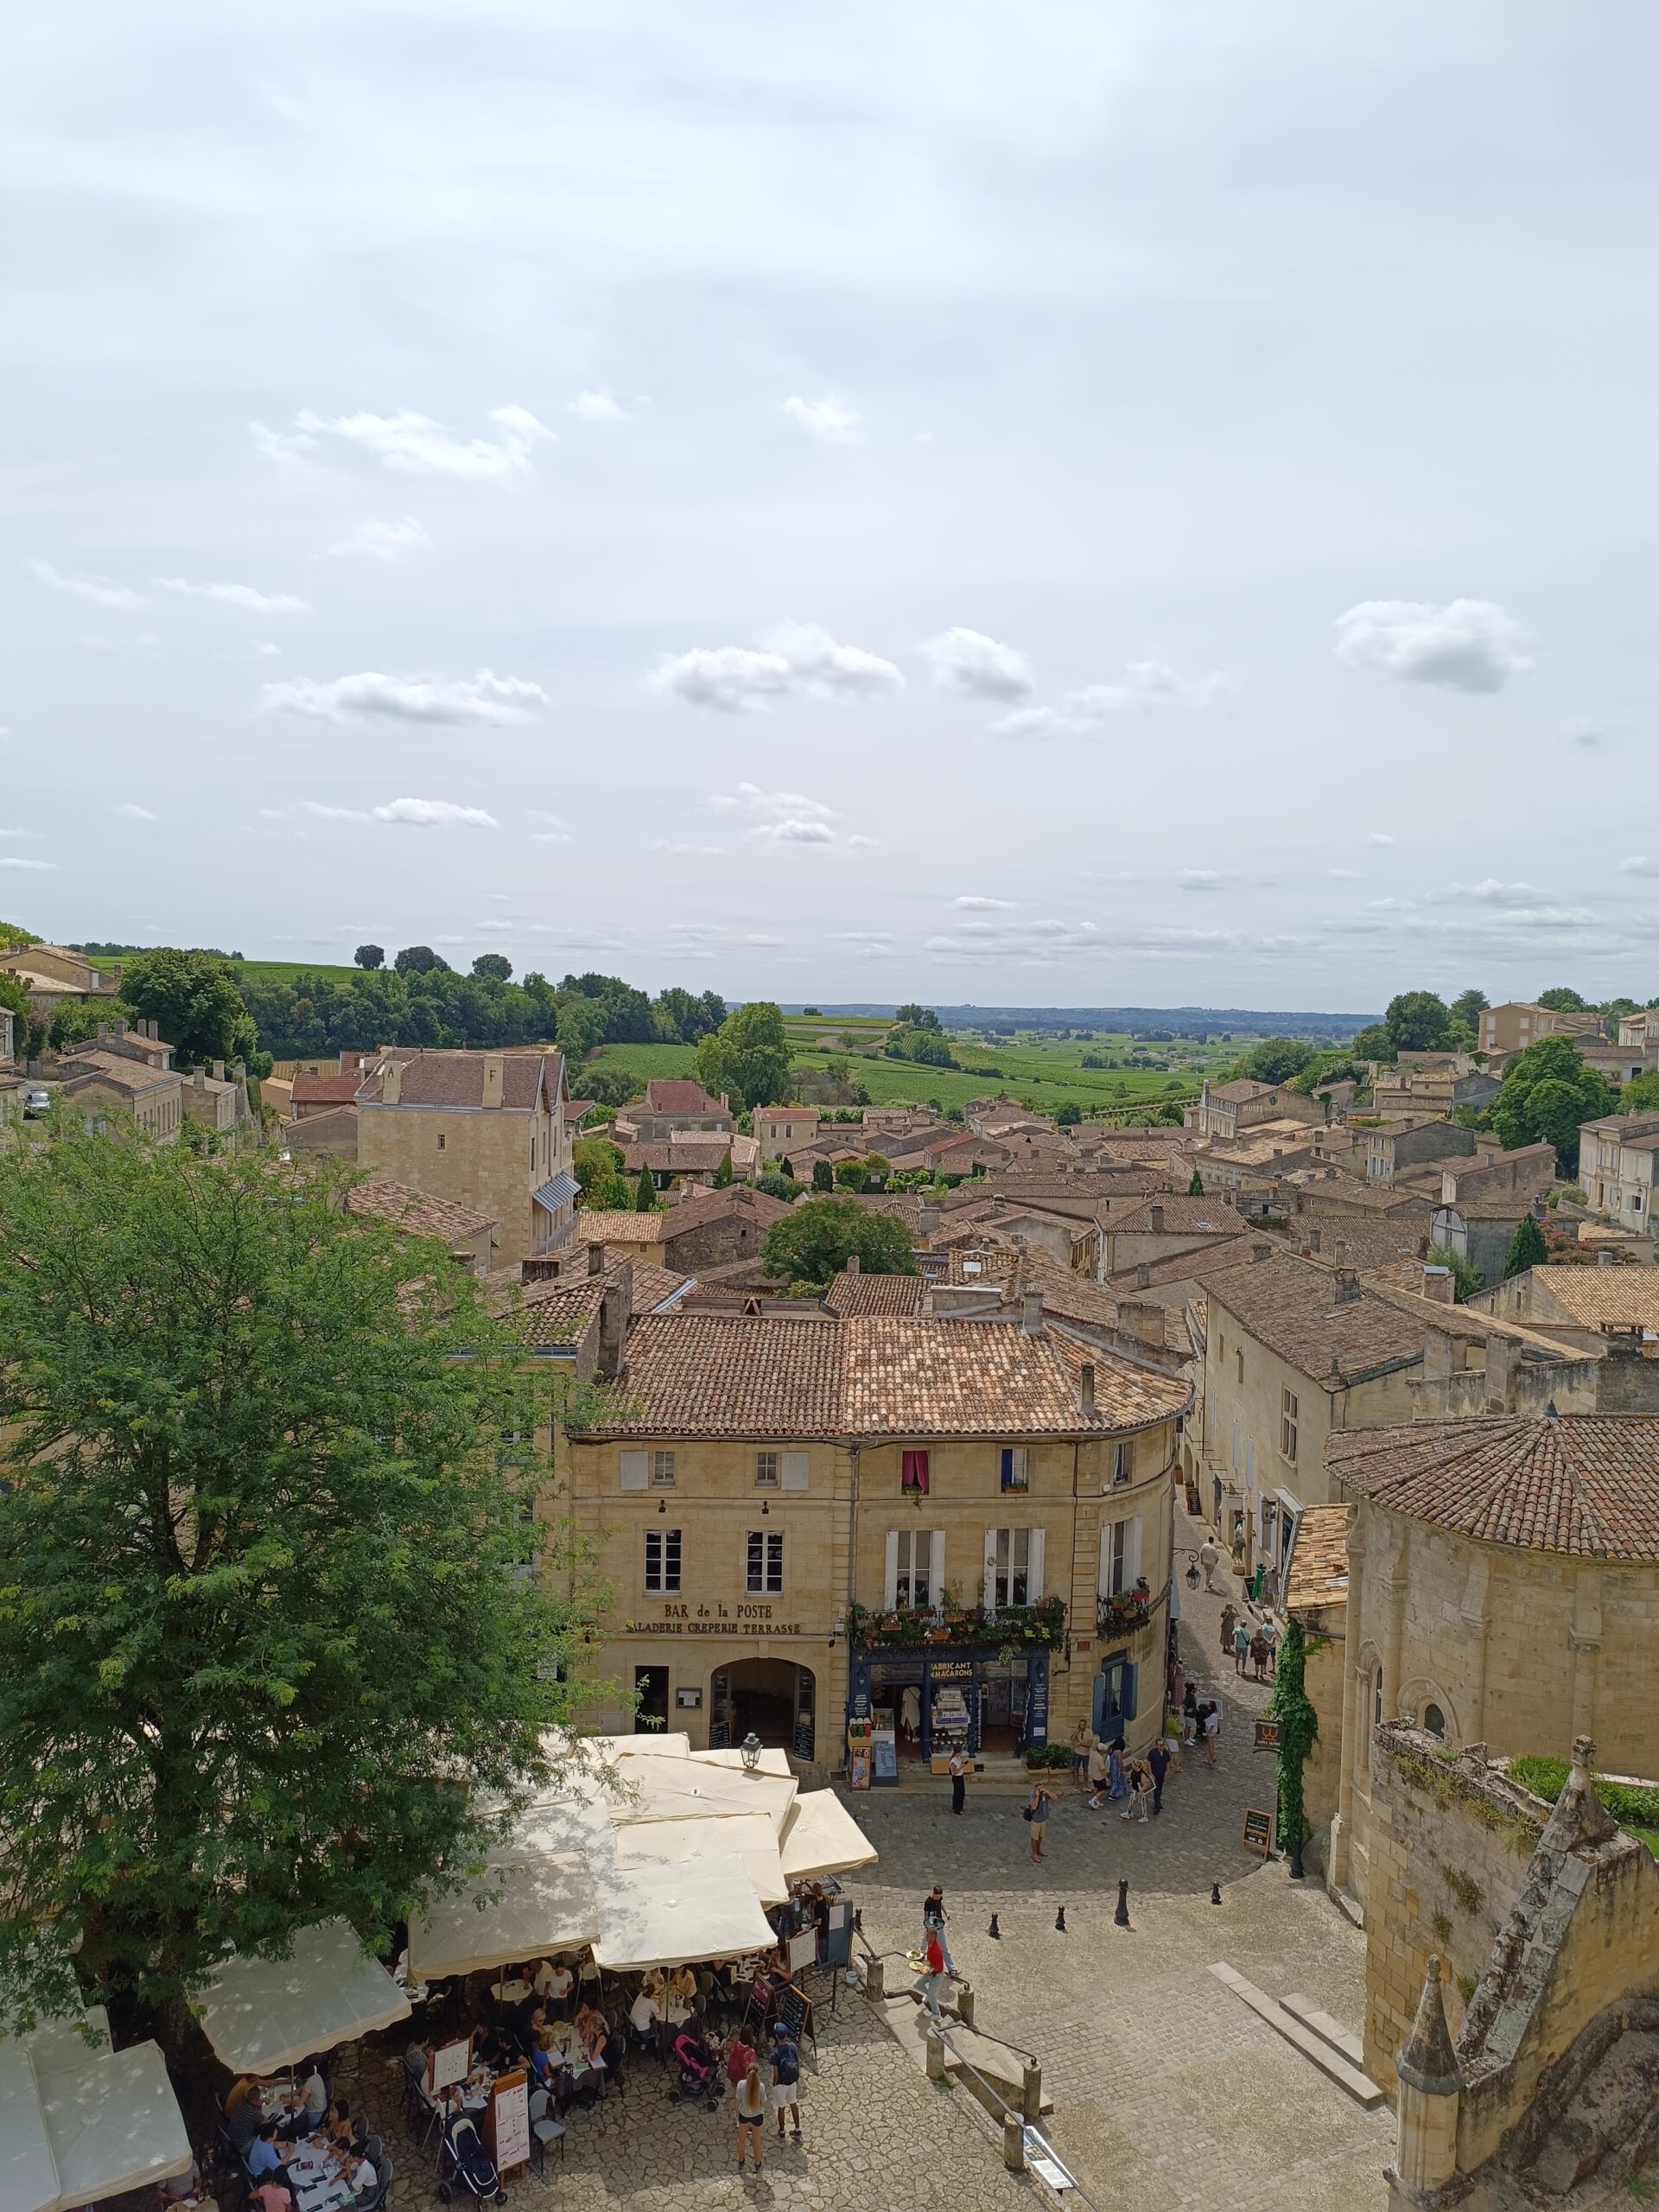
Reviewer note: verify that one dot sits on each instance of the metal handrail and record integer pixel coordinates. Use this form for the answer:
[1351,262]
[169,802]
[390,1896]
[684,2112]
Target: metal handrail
[1013,2112]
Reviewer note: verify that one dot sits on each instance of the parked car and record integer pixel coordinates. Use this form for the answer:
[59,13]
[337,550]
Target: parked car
[37,1101]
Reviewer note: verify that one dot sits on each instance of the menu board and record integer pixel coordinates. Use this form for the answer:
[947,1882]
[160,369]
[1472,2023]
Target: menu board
[450,2063]
[803,1949]
[884,1759]
[1258,1833]
[509,2122]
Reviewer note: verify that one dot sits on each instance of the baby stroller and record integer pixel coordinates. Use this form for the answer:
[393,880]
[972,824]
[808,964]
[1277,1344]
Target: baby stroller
[462,2159]
[697,2075]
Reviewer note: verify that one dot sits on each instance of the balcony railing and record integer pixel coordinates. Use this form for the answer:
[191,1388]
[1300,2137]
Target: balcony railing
[1123,1615]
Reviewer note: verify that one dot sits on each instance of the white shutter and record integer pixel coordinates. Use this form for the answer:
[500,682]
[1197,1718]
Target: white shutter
[1131,1552]
[890,1572]
[936,1569]
[1034,1568]
[991,1569]
[634,1470]
[792,1470]
[1106,1527]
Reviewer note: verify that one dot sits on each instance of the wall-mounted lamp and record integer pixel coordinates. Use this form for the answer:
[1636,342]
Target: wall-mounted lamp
[662,1505]
[766,1507]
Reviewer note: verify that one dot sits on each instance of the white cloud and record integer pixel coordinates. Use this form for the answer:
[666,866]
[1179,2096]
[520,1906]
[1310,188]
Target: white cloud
[792,660]
[402,813]
[1379,837]
[972,904]
[382,541]
[596,407]
[9,861]
[690,852]
[370,696]
[793,831]
[784,817]
[1144,685]
[1468,645]
[102,591]
[977,667]
[263,649]
[414,445]
[832,422]
[1343,875]
[1638,864]
[129,813]
[243,595]
[1491,893]
[1583,733]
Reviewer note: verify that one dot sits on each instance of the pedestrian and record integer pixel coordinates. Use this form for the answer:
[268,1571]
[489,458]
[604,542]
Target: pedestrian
[1036,1813]
[1270,1589]
[1098,1773]
[1241,1647]
[785,2080]
[930,1979]
[959,1763]
[1229,1622]
[1190,1714]
[1270,1637]
[1081,1736]
[1158,1759]
[1117,1784]
[1259,1655]
[1209,1560]
[751,2115]
[1177,1687]
[1211,1729]
[934,1917]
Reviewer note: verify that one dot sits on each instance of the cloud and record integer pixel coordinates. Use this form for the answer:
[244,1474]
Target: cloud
[831,422]
[1379,837]
[263,649]
[1144,685]
[972,903]
[596,407]
[129,813]
[690,852]
[1217,879]
[784,817]
[403,813]
[102,591]
[1491,893]
[8,860]
[1343,875]
[554,830]
[792,660]
[243,595]
[1583,733]
[1638,864]
[977,667]
[1468,645]
[370,697]
[382,541]
[414,445]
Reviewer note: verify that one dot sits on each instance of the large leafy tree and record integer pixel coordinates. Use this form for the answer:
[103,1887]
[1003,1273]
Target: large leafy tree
[1547,1093]
[258,1615]
[1419,1021]
[747,1057]
[1468,1007]
[821,1235]
[192,999]
[1565,999]
[1527,1248]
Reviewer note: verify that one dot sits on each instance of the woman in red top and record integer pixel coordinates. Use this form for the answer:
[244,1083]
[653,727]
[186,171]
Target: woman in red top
[929,1982]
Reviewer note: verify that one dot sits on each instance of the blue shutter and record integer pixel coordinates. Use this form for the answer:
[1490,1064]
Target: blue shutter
[1131,1675]
[1008,1467]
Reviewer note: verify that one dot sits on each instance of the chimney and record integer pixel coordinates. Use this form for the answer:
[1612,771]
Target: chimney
[492,1067]
[1086,1389]
[1438,1286]
[1604,1259]
[1031,1314]
[1157,1220]
[615,1311]
[595,1259]
[119,1026]
[391,1087]
[1340,1251]
[1142,1320]
[199,1082]
[851,1265]
[155,1032]
[1347,1287]
[1312,1240]
[928,1218]
[1500,1375]
[1142,1275]
[219,1070]
[1261,1252]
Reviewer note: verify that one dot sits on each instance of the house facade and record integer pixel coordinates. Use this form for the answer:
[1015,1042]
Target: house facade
[1516,1024]
[1616,1157]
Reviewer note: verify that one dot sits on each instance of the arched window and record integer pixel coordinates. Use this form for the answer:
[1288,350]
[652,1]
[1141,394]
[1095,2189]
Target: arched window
[1434,1720]
[1376,1699]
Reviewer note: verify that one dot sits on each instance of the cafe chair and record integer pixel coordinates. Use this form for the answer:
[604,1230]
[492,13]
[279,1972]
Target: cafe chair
[544,2129]
[387,2174]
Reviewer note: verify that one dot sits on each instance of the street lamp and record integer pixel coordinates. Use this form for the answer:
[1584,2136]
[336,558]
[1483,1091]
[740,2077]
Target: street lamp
[750,1753]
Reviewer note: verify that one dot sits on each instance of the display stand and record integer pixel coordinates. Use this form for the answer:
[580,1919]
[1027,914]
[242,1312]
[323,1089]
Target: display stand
[451,2063]
[506,2121]
[858,1753]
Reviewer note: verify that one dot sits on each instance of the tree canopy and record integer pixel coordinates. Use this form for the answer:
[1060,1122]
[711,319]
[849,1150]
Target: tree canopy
[420,960]
[259,1603]
[822,1235]
[1547,1093]
[1527,1248]
[747,1057]
[1420,1021]
[192,999]
[495,965]
[1468,1007]
[370,956]
[597,1164]
[1564,1000]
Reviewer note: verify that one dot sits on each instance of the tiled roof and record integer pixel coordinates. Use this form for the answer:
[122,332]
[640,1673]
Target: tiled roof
[420,1215]
[862,1293]
[679,1095]
[115,1068]
[1319,1562]
[681,1155]
[1178,1216]
[560,1313]
[601,1226]
[1602,1298]
[457,1079]
[1586,1484]
[1366,1243]
[720,1375]
[1339,1193]
[1291,1308]
[1240,1093]
[1197,1265]
[736,1201]
[339,1090]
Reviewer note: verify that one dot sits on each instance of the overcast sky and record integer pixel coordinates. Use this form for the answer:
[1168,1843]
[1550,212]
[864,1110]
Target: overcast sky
[1063,503]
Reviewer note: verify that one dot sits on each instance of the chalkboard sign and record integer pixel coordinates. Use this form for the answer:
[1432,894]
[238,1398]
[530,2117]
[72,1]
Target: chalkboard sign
[885,1759]
[719,1735]
[1258,1833]
[804,1740]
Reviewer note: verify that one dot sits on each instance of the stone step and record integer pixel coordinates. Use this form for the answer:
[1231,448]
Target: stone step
[1319,2053]
[1342,2040]
[908,2022]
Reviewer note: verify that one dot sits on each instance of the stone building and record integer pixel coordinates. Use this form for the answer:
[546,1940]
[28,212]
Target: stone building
[125,1072]
[1616,1157]
[1516,1024]
[1226,1110]
[673,1107]
[952,1527]
[1503,1589]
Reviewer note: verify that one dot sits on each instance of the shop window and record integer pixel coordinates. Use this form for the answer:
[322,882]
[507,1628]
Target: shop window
[1013,1467]
[661,1471]
[765,1470]
[765,1571]
[1288,1418]
[661,1562]
[912,1474]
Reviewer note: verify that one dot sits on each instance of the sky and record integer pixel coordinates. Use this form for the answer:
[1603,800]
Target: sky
[1073,504]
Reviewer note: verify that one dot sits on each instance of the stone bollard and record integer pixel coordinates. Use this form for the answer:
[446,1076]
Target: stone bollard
[964,2004]
[935,2056]
[875,1980]
[1014,2143]
[1030,2093]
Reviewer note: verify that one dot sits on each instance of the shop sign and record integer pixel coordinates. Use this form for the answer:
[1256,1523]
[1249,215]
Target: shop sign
[737,1619]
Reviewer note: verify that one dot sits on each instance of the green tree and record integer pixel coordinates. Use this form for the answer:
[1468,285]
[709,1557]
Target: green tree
[723,1173]
[1547,1093]
[822,1176]
[930,1048]
[494,967]
[1068,1116]
[1275,1060]
[370,956]
[644,1193]
[1468,1007]
[255,1614]
[1466,1276]
[1195,1188]
[193,1001]
[776,1185]
[1299,1728]
[852,1175]
[1419,1021]
[607,1084]
[420,960]
[1527,1248]
[916,1017]
[821,1235]
[1564,1000]
[13,934]
[594,1160]
[1641,1096]
[747,1057]
[1373,1043]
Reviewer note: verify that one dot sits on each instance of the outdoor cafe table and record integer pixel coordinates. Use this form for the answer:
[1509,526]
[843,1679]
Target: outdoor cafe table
[316,2185]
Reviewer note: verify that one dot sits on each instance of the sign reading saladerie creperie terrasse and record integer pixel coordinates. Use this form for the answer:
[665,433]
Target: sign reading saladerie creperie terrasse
[714,1620]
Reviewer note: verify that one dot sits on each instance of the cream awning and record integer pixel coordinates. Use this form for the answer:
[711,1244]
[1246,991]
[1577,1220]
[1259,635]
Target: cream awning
[774,1760]
[518,1908]
[261,2014]
[747,1836]
[821,1837]
[78,2123]
[685,1789]
[680,1916]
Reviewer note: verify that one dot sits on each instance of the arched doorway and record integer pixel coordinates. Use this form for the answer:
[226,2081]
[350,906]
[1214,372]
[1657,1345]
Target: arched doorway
[773,1698]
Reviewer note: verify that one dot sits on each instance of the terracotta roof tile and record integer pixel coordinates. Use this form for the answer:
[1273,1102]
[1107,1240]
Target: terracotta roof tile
[1178,1216]
[560,1313]
[602,1226]
[872,1293]
[679,1095]
[1291,1308]
[457,1079]
[1318,1559]
[736,1201]
[415,1211]
[1602,1298]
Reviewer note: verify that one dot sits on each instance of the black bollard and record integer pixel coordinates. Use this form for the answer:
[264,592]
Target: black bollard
[1215,1892]
[1060,1927]
[1120,1917]
[994,1931]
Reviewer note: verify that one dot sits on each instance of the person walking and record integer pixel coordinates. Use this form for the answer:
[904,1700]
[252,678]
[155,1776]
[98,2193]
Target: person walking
[786,2080]
[1117,1784]
[1270,1637]
[932,1977]
[1081,1736]
[1209,1560]
[1241,1647]
[1139,1793]
[1037,1810]
[1098,1774]
[751,2115]
[1157,1760]
[1211,1729]
[1270,1589]
[934,1917]
[1190,1714]
[1259,1655]
[1229,1622]
[959,1765]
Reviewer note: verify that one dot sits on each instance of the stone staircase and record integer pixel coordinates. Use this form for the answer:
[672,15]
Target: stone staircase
[1327,2045]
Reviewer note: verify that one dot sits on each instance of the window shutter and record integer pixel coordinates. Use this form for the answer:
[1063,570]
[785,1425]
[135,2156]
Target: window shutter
[937,1570]
[1106,1559]
[792,1470]
[1131,1552]
[634,1470]
[990,1569]
[1131,1684]
[1034,1568]
[1007,1466]
[890,1572]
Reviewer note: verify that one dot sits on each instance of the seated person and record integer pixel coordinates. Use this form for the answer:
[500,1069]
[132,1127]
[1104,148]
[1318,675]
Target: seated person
[273,2195]
[337,2124]
[683,1985]
[242,2121]
[643,2015]
[264,2157]
[240,2090]
[590,2020]
[500,2050]
[361,2178]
